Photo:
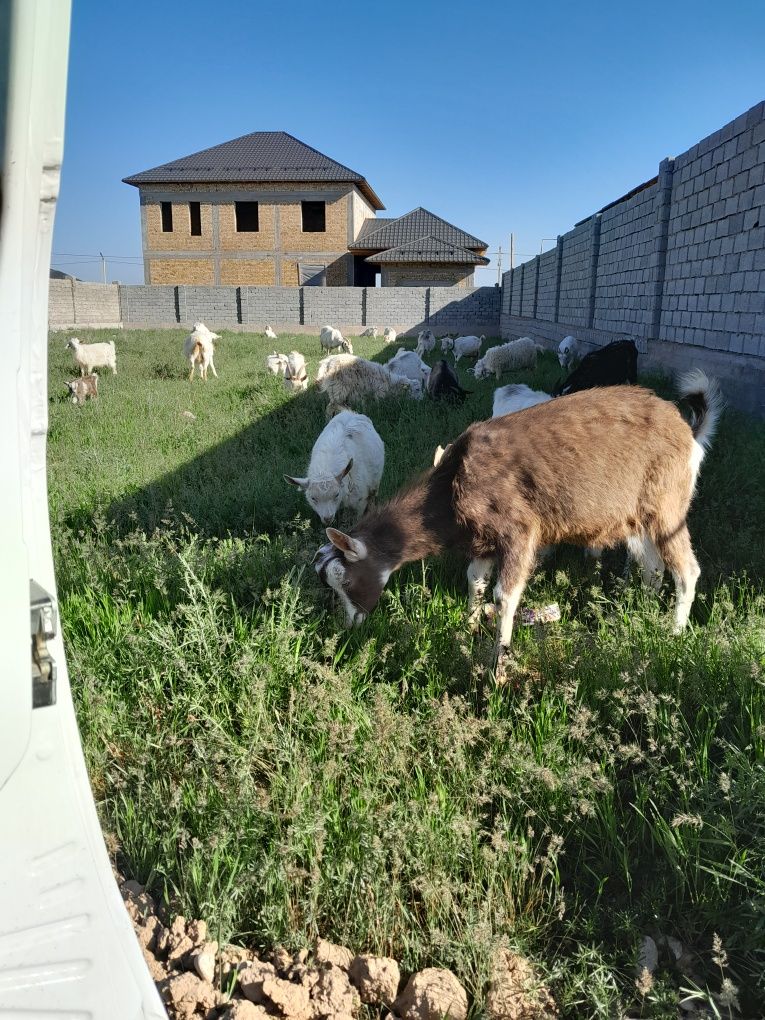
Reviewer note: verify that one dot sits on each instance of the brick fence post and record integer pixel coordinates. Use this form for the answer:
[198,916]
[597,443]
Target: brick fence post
[658,262]
[536,285]
[558,270]
[594,253]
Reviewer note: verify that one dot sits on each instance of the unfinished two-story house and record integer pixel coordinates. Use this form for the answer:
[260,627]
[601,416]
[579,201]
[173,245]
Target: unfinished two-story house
[267,209]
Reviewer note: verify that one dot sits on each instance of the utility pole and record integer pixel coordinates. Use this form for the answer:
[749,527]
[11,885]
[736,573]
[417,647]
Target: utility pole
[103,267]
[499,267]
[512,251]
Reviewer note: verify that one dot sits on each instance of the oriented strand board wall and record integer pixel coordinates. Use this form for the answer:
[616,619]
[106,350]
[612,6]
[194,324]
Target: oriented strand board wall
[197,271]
[426,274]
[248,272]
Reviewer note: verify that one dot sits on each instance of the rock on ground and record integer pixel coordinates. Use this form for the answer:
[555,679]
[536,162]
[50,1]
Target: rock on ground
[376,977]
[328,952]
[515,992]
[432,994]
[332,995]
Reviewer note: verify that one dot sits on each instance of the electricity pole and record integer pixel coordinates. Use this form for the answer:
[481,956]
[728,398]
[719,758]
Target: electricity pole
[103,267]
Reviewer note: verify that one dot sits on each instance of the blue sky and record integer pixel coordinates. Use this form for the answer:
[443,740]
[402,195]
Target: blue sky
[500,117]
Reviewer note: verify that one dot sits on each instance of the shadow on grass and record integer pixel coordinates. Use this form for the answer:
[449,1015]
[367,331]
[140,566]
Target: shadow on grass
[236,487]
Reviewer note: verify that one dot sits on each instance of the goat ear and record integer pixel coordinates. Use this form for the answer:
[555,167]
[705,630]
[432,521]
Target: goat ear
[299,483]
[352,548]
[341,476]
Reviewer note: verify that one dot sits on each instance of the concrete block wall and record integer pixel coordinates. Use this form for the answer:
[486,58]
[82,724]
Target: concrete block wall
[269,306]
[477,313]
[151,304]
[328,305]
[289,309]
[529,299]
[516,290]
[208,304]
[74,302]
[714,287]
[678,265]
[579,250]
[403,308]
[626,266]
[547,285]
[60,303]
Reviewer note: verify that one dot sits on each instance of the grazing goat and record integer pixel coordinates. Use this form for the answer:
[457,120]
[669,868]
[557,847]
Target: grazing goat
[330,338]
[90,356]
[389,335]
[569,352]
[509,357]
[296,374]
[602,467]
[270,333]
[346,466]
[369,331]
[347,379]
[411,365]
[443,383]
[198,350]
[467,347]
[612,365]
[516,397]
[276,363]
[426,341]
[84,388]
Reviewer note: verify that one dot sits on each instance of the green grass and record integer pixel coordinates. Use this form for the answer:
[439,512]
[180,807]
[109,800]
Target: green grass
[284,778]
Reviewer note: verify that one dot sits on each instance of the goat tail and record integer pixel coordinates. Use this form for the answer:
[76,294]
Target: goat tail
[703,397]
[197,349]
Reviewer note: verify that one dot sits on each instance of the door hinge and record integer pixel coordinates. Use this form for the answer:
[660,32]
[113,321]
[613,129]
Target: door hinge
[43,628]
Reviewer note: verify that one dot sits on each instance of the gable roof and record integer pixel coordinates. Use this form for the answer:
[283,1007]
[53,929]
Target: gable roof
[370,225]
[259,156]
[429,249]
[411,227]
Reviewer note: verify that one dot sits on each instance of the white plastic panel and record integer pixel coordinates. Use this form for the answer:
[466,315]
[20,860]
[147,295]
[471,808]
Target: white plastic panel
[67,947]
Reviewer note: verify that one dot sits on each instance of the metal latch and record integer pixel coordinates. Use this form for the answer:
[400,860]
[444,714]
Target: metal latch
[43,628]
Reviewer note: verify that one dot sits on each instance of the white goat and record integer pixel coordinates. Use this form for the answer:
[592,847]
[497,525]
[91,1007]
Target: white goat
[389,335]
[467,347]
[411,365]
[426,341]
[198,350]
[90,356]
[516,397]
[569,352]
[276,363]
[296,374]
[447,343]
[346,466]
[369,331]
[330,338]
[515,354]
[347,379]
[270,333]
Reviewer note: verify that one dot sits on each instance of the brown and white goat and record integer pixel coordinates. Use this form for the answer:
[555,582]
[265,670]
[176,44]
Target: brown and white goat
[596,468]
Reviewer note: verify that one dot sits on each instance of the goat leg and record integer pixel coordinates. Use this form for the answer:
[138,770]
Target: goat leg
[516,564]
[479,572]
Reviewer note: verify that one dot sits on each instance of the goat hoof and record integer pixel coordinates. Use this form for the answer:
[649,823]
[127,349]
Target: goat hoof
[504,668]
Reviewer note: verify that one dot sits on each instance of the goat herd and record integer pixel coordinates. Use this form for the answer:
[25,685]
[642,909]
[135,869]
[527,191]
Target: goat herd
[597,463]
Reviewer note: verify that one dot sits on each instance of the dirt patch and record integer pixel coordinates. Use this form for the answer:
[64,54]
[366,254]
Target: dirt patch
[198,978]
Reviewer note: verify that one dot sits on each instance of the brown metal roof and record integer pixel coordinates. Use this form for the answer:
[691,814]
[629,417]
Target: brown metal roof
[254,158]
[412,226]
[429,249]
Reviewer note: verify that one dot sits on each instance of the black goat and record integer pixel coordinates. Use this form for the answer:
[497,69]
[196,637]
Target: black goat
[612,365]
[443,384]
